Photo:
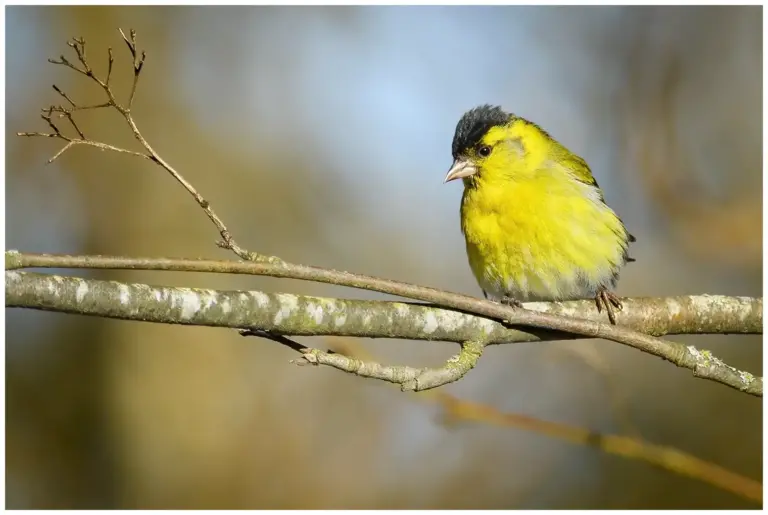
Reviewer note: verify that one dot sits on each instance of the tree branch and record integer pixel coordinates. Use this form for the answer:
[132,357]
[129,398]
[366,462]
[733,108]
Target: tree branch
[409,378]
[288,314]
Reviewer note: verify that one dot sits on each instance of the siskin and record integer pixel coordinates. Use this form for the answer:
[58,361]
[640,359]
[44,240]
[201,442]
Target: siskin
[534,219]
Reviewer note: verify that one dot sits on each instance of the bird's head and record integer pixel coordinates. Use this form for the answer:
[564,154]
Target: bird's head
[491,143]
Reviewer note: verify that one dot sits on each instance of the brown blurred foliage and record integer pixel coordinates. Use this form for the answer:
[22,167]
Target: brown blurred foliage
[693,146]
[129,415]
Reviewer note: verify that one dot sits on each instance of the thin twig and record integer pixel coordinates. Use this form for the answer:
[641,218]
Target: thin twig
[78,45]
[66,97]
[278,338]
[97,144]
[397,374]
[138,62]
[68,116]
[111,62]
[409,378]
[62,60]
[57,132]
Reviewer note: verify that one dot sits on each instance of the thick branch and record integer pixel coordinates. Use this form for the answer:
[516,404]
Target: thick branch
[301,315]
[312,316]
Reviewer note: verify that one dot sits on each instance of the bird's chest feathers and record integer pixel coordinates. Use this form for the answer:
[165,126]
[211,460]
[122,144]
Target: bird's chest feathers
[517,212]
[535,237]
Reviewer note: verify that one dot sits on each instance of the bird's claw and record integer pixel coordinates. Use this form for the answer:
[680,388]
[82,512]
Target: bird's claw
[609,301]
[510,301]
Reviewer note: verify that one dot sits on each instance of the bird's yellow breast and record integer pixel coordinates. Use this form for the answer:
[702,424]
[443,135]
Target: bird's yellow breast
[540,237]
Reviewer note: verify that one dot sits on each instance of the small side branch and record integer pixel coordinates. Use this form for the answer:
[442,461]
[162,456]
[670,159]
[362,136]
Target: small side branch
[409,378]
[138,61]
[390,373]
[453,369]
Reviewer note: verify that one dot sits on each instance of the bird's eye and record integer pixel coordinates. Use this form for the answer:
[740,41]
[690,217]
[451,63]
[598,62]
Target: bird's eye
[484,151]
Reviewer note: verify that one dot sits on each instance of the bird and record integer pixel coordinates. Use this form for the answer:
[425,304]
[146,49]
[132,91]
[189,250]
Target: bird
[534,219]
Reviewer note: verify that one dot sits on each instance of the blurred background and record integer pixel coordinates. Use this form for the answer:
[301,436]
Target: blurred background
[322,135]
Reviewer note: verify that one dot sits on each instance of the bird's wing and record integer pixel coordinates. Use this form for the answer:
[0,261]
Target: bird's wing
[580,170]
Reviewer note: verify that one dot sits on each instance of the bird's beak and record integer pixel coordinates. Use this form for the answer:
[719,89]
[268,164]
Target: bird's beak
[459,170]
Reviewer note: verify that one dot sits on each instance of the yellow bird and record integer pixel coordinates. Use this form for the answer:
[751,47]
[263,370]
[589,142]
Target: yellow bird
[534,219]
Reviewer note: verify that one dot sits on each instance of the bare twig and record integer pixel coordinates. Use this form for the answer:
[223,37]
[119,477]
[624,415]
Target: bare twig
[74,125]
[47,117]
[78,45]
[63,61]
[278,338]
[397,374]
[209,307]
[109,68]
[138,62]
[66,97]
[97,144]
[409,378]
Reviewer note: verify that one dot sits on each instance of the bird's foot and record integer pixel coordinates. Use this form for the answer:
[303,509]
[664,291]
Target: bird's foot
[510,301]
[609,301]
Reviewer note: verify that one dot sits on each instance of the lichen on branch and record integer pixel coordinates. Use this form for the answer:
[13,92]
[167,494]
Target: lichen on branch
[298,315]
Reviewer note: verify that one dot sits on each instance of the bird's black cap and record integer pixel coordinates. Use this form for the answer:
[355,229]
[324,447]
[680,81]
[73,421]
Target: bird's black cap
[474,124]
